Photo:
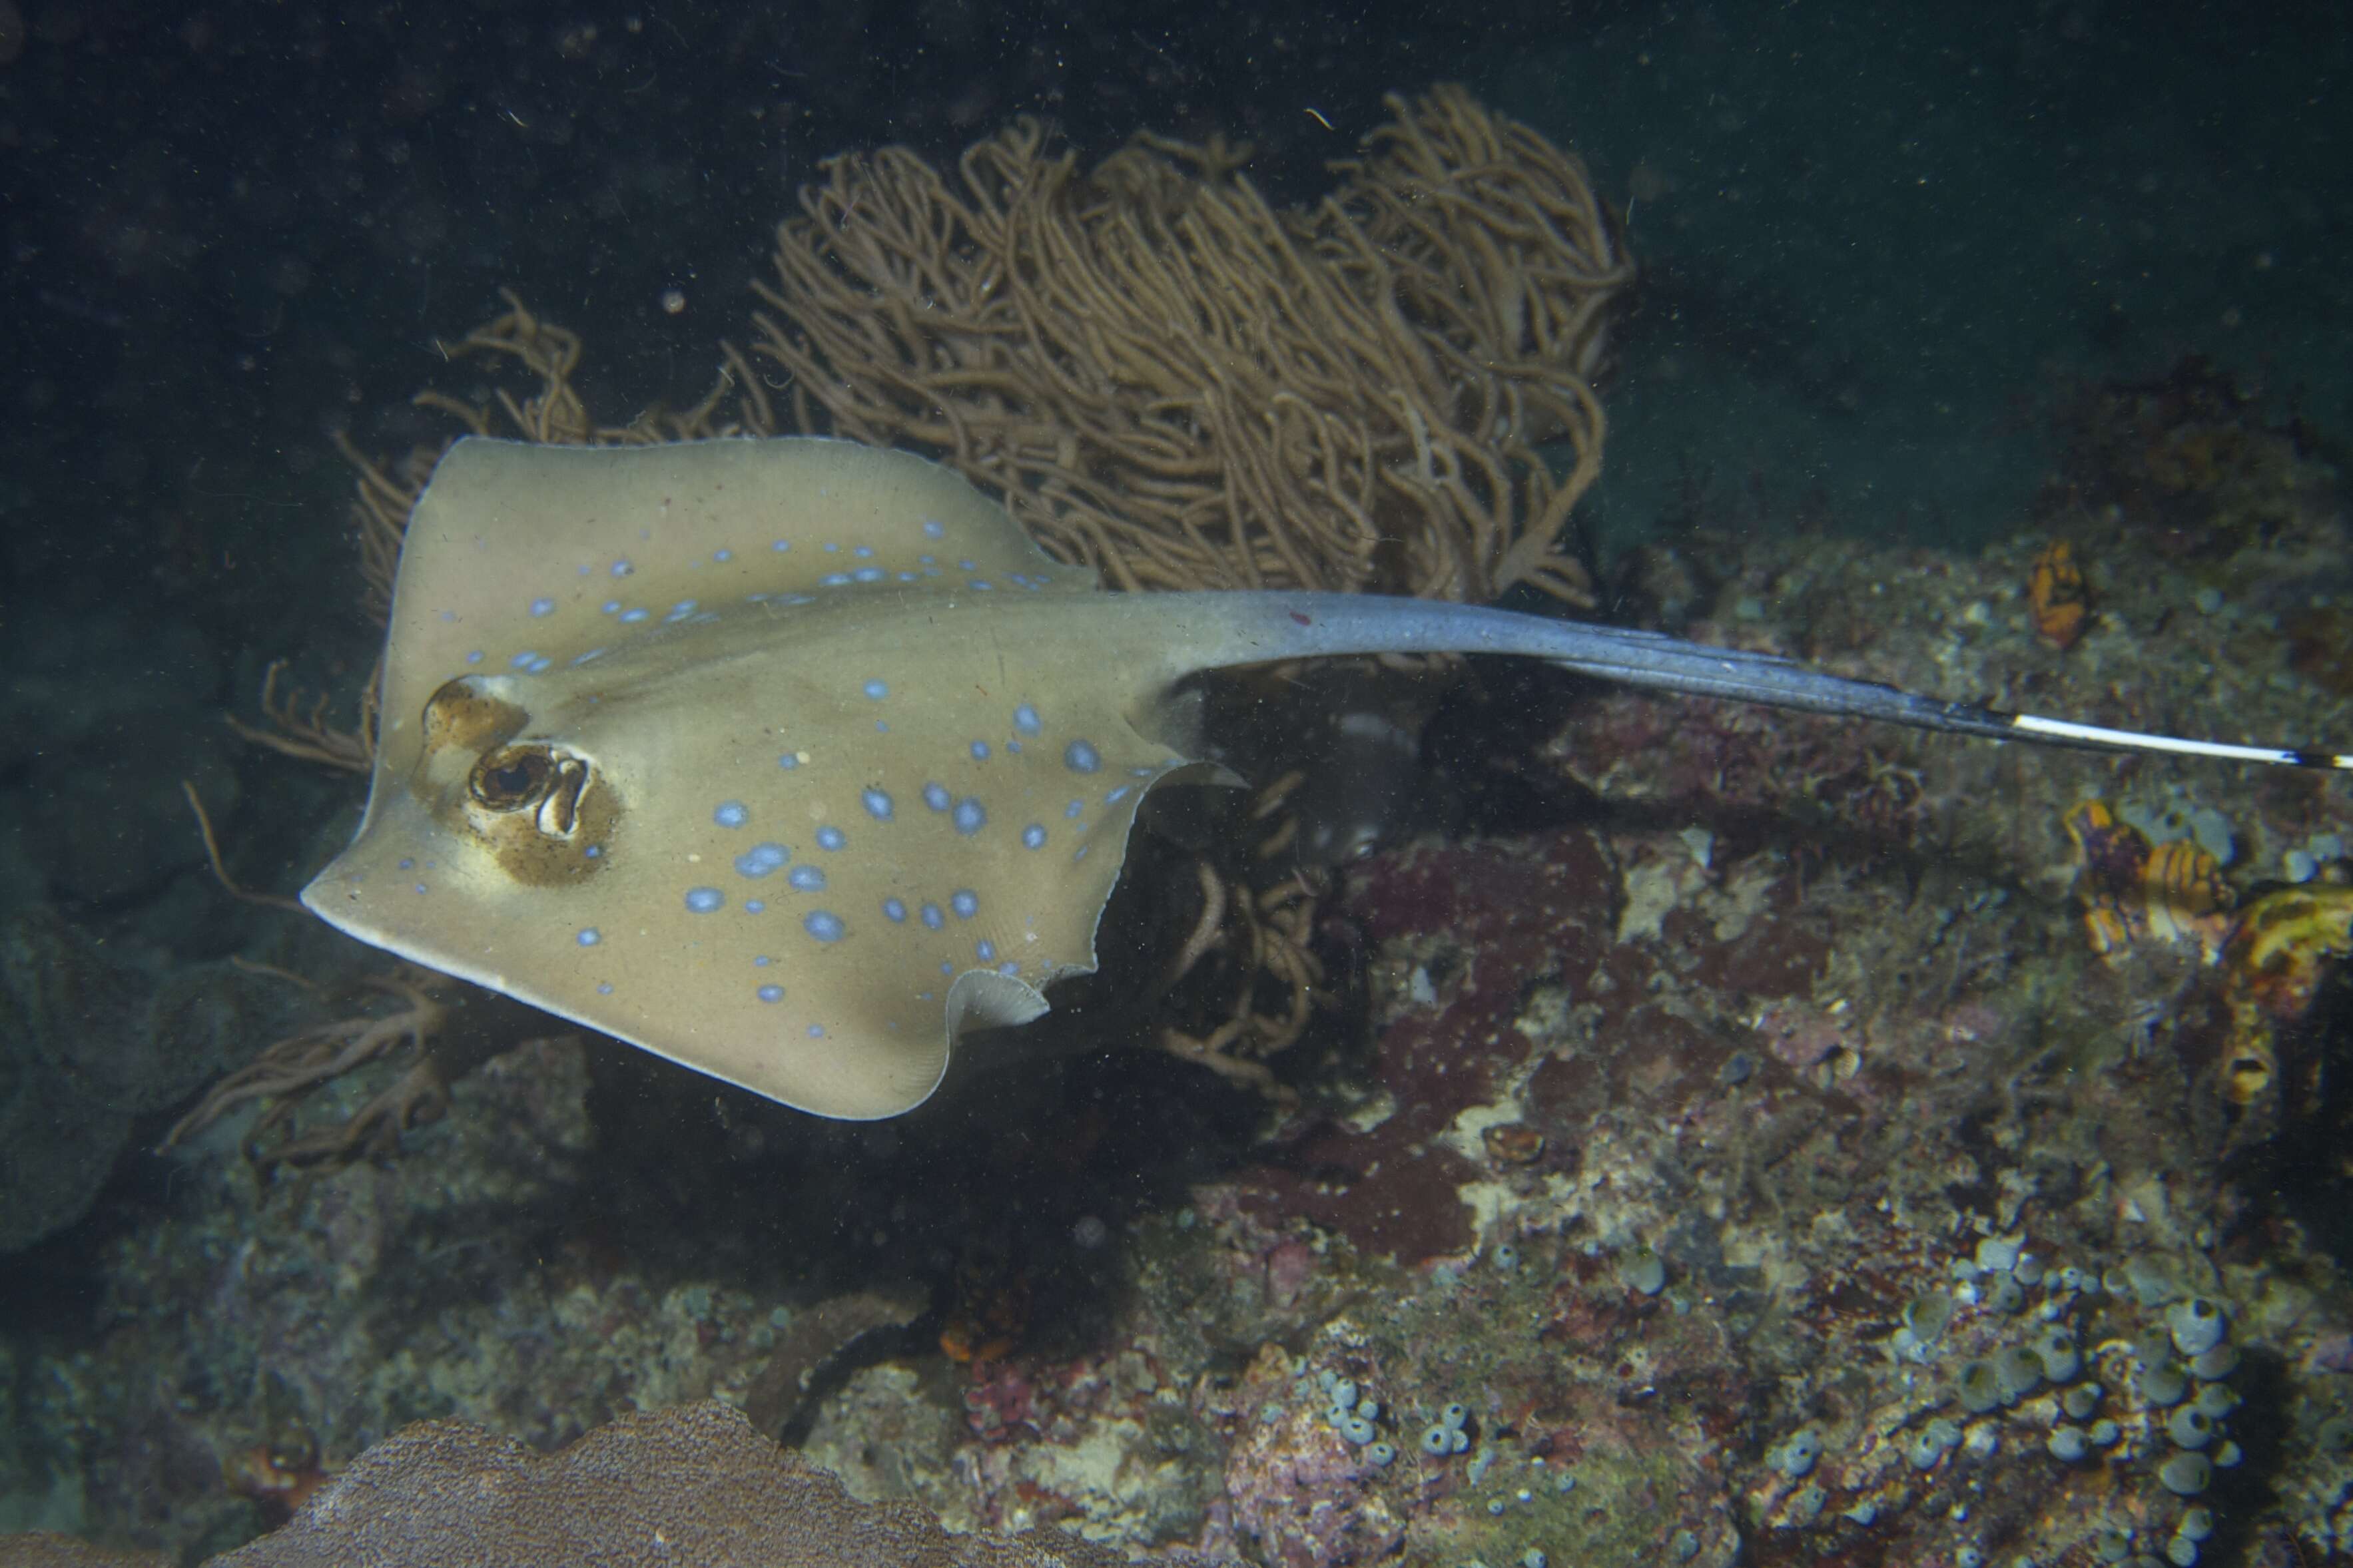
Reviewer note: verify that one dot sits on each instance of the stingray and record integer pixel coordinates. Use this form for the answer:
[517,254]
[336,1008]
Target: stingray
[793,761]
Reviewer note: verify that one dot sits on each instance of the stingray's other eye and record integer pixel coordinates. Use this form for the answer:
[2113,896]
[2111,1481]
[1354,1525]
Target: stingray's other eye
[511,778]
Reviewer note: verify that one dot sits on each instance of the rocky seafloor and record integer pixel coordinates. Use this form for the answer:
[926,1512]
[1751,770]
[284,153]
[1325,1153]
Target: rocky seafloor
[1734,1146]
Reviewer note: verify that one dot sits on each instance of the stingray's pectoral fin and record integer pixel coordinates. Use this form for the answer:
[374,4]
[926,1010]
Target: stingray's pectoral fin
[1643,658]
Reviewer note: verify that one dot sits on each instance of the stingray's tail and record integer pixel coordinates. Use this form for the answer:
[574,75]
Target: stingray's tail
[1646,659]
[1276,625]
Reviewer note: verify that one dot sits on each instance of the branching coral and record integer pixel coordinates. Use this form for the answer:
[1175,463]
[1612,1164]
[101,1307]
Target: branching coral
[449,1027]
[1163,375]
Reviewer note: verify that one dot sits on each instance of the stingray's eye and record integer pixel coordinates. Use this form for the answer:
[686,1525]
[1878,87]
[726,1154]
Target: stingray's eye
[541,811]
[511,778]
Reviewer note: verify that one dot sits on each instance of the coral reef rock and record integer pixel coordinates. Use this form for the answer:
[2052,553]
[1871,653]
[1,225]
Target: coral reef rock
[89,1041]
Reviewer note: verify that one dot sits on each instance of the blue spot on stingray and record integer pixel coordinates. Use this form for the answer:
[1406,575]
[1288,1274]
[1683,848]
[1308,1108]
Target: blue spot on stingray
[937,797]
[781,545]
[594,852]
[877,690]
[980,751]
[1034,837]
[970,816]
[1081,852]
[932,917]
[788,761]
[407,864]
[1014,746]
[731,813]
[631,617]
[877,804]
[1075,810]
[907,577]
[869,575]
[589,936]
[832,549]
[816,1031]
[523,660]
[420,887]
[703,901]
[894,912]
[969,565]
[863,550]
[611,607]
[834,579]
[770,993]
[723,556]
[543,607]
[1008,967]
[825,926]
[755,906]
[1081,758]
[581,659]
[965,902]
[980,586]
[540,664]
[831,839]
[807,879]
[761,859]
[985,950]
[762,962]
[606,989]
[934,528]
[680,610]
[622,568]
[475,656]
[1026,719]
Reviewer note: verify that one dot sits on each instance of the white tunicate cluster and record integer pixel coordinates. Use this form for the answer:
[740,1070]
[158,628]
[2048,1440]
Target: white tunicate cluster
[2208,827]
[2197,1524]
[1643,1271]
[2303,862]
[1926,1318]
[2196,1325]
[2180,1373]
[1997,1276]
[1445,1436]
[1933,1442]
[2146,1279]
[1795,1454]
[1351,1412]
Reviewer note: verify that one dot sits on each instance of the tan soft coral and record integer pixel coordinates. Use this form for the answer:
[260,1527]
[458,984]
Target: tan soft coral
[1166,376]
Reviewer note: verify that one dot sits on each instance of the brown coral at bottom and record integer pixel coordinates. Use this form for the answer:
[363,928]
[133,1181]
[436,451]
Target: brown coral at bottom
[690,1486]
